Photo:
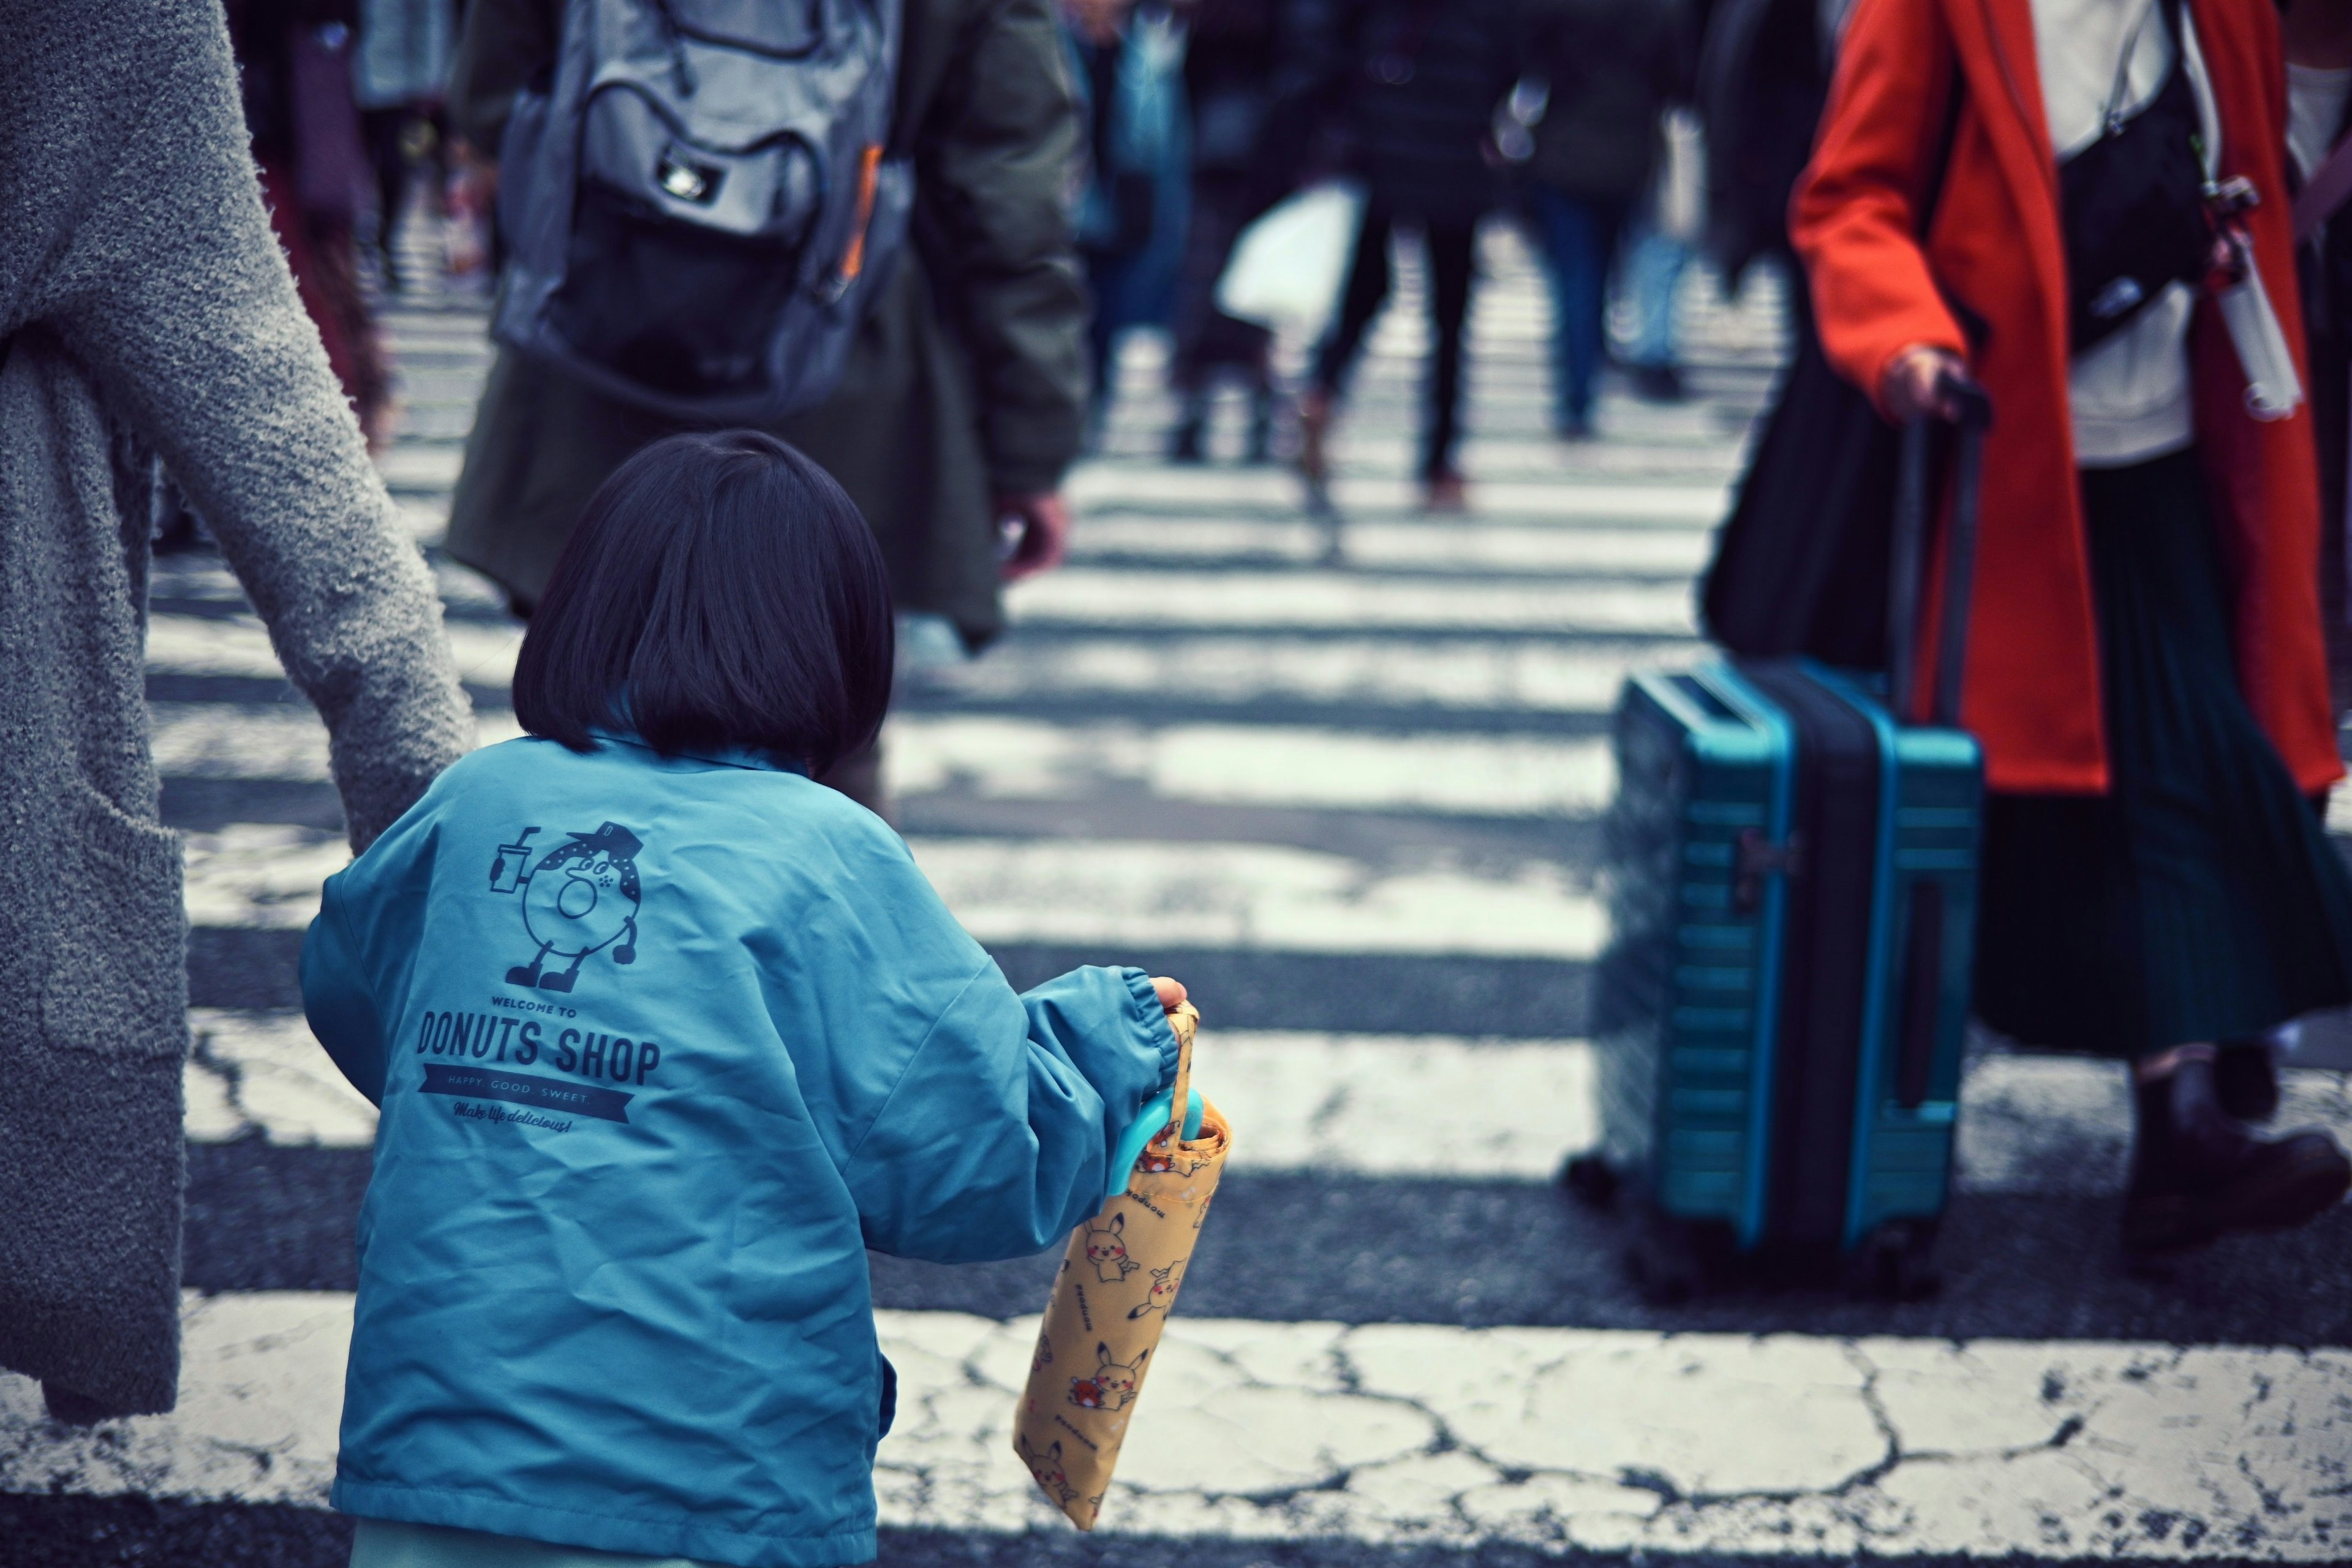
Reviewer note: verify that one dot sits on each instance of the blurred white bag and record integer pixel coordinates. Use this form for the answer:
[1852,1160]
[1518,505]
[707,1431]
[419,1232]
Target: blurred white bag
[1682,178]
[1287,268]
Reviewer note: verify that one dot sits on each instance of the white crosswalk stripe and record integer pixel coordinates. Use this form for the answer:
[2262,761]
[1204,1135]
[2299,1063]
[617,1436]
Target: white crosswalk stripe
[1270,897]
[1466,547]
[1408,1435]
[1105,597]
[1357,804]
[1266,765]
[1555,501]
[1469,674]
[1009,757]
[239,646]
[213,740]
[1262,896]
[1352,1105]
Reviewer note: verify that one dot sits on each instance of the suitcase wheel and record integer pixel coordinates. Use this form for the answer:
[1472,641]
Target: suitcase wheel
[1665,1263]
[1590,1178]
[1901,1259]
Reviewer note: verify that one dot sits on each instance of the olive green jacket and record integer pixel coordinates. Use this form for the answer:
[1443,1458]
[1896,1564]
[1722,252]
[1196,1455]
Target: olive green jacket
[969,378]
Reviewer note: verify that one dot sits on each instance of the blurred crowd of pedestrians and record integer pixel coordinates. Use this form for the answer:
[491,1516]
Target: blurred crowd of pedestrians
[1574,117]
[343,99]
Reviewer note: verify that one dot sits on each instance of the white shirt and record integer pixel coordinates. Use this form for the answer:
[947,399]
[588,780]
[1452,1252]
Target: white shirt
[2129,394]
[2316,98]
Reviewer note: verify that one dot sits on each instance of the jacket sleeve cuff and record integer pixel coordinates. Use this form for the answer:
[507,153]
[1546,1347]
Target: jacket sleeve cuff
[1157,1033]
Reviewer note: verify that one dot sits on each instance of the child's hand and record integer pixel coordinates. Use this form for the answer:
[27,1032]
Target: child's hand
[1171,992]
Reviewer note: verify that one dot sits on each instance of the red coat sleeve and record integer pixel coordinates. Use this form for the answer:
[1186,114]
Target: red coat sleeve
[1854,217]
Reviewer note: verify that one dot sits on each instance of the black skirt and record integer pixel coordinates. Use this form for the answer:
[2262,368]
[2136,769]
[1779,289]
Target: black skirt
[2200,899]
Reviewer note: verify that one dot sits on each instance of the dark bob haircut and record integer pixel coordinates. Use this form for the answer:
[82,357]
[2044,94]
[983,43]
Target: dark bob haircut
[721,593]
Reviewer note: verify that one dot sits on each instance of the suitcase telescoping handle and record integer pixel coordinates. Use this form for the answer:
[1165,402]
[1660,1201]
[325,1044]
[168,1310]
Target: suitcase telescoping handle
[1919,1018]
[1907,572]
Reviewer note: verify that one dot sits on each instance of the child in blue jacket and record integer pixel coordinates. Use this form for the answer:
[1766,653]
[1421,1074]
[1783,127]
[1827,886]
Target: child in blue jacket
[665,1036]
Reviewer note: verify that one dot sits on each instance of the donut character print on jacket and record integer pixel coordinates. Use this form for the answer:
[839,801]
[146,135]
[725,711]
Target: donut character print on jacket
[582,897]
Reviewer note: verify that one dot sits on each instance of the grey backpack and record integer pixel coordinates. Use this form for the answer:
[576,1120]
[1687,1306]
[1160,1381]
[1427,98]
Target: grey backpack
[700,206]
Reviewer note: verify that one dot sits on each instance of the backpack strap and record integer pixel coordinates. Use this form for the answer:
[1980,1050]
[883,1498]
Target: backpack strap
[2329,185]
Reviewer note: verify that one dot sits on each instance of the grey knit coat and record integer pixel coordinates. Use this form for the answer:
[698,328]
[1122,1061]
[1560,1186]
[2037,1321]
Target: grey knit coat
[146,310]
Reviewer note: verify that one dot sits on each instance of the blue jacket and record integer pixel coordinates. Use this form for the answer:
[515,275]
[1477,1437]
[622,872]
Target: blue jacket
[662,1048]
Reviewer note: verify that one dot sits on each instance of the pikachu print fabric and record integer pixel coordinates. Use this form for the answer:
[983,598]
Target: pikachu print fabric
[1119,1280]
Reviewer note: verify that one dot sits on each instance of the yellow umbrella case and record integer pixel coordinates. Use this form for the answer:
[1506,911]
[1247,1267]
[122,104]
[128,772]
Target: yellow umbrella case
[1118,1283]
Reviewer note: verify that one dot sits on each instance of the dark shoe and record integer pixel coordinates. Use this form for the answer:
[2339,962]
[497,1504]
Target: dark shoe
[74,1409]
[1184,443]
[1575,427]
[1445,491]
[1658,384]
[2245,1080]
[2197,1175]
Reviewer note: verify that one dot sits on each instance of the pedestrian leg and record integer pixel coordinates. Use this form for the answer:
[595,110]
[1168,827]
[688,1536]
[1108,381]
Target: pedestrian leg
[1654,263]
[1108,272]
[1452,249]
[1577,238]
[1367,287]
[1201,338]
[384,131]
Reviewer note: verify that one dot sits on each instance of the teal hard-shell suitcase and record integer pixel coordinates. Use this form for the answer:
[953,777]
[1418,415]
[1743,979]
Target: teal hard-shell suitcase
[1791,873]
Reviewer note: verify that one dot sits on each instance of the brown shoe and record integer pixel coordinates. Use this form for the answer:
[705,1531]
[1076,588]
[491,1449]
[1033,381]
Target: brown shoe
[2198,1174]
[1445,493]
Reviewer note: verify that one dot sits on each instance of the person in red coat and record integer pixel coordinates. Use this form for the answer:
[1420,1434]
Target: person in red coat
[2144,660]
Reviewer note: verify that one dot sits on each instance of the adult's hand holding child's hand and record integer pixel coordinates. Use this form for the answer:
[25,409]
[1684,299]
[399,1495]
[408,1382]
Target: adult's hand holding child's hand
[1171,992]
